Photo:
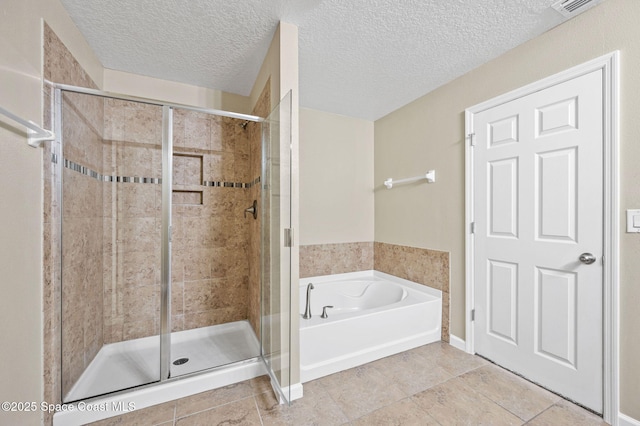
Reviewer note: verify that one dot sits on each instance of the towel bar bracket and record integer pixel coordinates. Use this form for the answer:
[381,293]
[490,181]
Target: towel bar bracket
[430,176]
[36,135]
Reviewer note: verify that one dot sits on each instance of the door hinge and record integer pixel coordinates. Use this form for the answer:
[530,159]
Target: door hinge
[54,158]
[472,139]
[288,237]
[473,315]
[472,228]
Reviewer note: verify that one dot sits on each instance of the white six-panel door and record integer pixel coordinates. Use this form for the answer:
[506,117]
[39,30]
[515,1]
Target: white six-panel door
[538,206]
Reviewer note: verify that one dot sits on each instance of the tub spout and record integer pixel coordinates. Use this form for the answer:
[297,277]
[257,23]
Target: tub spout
[307,311]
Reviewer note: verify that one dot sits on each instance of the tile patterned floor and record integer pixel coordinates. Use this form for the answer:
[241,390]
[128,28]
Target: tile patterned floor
[434,384]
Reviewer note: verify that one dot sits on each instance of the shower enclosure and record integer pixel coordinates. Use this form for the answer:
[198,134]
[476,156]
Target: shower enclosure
[174,251]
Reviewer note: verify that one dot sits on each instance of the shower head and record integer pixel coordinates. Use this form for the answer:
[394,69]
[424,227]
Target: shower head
[244,124]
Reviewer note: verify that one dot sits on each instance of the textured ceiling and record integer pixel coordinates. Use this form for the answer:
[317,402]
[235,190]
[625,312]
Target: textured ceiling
[360,58]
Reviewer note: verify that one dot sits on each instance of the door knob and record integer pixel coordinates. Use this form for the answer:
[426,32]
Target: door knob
[587,258]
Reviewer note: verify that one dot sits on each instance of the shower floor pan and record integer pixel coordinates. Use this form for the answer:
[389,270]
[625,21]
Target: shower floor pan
[127,364]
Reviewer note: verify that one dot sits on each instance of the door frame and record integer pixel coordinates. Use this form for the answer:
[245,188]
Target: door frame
[609,64]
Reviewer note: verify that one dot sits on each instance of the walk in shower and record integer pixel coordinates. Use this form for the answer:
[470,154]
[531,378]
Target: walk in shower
[173,224]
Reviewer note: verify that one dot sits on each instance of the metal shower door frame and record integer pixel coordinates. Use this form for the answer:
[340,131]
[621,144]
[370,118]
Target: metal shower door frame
[166,216]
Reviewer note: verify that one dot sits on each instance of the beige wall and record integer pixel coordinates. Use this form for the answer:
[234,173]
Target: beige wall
[336,172]
[429,133]
[171,91]
[21,194]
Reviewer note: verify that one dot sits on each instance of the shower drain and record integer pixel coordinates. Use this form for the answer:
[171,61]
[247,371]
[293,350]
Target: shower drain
[180,361]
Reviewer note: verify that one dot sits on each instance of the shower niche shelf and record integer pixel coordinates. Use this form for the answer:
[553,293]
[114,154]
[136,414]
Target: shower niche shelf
[182,196]
[187,169]
[187,173]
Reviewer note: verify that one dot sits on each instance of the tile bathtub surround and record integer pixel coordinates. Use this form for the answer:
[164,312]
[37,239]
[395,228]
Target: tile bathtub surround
[428,267]
[328,259]
[439,385]
[424,266]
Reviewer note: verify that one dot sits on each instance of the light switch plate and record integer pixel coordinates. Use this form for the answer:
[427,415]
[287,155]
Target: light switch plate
[633,220]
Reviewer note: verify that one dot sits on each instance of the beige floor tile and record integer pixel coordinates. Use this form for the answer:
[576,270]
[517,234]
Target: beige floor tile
[411,372]
[111,421]
[239,413]
[564,413]
[315,408]
[453,403]
[213,398]
[452,360]
[361,390]
[260,385]
[519,396]
[401,413]
[150,416]
[379,393]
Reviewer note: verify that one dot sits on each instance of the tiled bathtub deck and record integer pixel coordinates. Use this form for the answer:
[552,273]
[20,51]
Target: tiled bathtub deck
[431,385]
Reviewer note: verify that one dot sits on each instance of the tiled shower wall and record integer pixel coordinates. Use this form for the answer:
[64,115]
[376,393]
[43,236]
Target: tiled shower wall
[424,266]
[210,264]
[112,229]
[211,184]
[82,261]
[82,334]
[132,220]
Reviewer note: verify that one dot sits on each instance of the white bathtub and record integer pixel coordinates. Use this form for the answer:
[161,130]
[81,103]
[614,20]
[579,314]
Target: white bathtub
[374,315]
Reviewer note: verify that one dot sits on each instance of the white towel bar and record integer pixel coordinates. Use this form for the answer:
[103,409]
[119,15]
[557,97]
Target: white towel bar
[36,134]
[430,176]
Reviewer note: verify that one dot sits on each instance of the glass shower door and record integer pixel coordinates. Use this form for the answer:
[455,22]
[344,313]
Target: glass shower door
[276,247]
[111,237]
[211,256]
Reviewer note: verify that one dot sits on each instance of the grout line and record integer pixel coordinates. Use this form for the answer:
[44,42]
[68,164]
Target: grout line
[210,408]
[255,402]
[562,397]
[539,414]
[332,400]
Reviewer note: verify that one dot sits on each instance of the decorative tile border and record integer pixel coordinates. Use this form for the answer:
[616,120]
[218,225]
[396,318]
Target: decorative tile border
[232,184]
[102,178]
[156,181]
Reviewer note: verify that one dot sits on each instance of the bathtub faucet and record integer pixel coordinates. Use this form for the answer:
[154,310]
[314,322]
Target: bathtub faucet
[307,311]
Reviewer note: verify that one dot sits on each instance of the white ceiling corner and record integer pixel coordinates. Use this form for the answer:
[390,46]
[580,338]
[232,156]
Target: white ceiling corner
[360,58]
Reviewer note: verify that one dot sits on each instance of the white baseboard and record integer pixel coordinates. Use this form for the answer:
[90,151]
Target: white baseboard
[624,420]
[457,343]
[295,392]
